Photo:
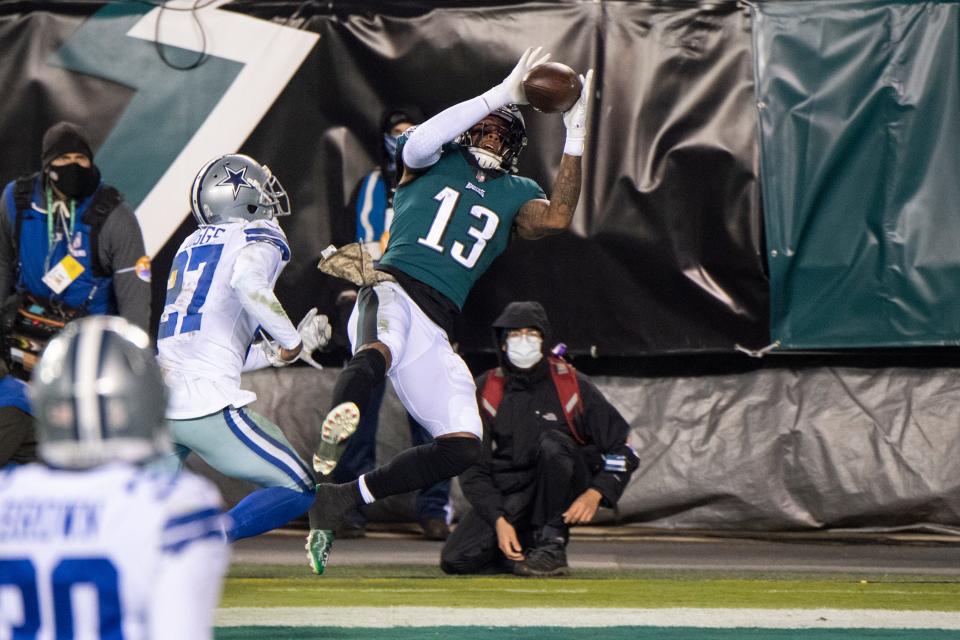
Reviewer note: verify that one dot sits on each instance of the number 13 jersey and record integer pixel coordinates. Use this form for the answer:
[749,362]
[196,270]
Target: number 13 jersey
[453,220]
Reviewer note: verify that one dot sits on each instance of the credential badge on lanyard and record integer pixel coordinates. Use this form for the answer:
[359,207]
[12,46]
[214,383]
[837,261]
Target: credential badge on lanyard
[65,272]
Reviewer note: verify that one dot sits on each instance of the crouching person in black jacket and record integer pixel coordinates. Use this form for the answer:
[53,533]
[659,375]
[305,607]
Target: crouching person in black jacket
[554,451]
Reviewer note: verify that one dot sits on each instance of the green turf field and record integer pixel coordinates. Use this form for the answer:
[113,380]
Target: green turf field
[418,602]
[284,586]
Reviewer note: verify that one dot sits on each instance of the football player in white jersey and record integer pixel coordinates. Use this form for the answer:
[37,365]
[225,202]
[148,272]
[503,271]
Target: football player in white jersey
[219,301]
[92,543]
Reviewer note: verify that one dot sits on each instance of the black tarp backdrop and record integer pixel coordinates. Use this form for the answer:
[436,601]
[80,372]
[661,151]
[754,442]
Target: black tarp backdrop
[668,261]
[666,253]
[669,258]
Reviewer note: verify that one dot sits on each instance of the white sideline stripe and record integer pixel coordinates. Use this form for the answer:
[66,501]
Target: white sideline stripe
[385,617]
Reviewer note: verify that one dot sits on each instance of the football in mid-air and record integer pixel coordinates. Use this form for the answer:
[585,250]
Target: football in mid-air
[552,87]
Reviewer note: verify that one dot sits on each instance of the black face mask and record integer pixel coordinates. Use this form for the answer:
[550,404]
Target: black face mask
[74,181]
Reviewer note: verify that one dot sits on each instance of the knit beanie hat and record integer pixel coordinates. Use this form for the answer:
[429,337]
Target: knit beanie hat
[64,137]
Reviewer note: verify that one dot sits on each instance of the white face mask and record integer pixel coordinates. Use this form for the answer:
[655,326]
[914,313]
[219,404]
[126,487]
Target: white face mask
[524,351]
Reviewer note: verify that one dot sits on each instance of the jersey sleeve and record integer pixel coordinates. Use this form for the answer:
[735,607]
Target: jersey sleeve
[194,558]
[193,511]
[256,358]
[270,233]
[254,271]
[534,189]
[422,153]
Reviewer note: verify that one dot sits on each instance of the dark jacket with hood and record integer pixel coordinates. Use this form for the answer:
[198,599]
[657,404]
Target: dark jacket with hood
[529,406]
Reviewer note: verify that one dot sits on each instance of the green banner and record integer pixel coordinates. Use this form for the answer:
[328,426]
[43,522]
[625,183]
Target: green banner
[859,131]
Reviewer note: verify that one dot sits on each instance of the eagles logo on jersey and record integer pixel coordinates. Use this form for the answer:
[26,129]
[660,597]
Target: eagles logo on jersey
[236,188]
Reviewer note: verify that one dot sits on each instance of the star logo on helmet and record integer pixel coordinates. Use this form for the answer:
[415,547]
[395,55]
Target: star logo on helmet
[237,179]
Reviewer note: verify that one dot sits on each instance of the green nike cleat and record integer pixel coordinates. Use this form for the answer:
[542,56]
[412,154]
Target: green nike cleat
[319,543]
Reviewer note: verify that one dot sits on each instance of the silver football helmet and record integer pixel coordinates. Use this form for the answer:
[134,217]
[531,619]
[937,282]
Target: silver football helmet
[98,395]
[508,122]
[236,188]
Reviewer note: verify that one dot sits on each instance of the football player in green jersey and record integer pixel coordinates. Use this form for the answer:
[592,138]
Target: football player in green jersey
[457,203]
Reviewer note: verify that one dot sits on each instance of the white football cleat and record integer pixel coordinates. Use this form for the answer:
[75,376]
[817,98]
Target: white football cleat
[339,425]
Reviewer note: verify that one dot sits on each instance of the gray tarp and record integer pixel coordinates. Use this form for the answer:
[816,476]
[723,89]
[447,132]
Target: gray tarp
[770,450]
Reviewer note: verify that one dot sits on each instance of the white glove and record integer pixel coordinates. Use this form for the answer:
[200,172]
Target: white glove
[315,331]
[576,118]
[511,89]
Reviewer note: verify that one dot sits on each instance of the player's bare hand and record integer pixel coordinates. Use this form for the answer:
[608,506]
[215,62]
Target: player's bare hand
[507,540]
[583,508]
[289,355]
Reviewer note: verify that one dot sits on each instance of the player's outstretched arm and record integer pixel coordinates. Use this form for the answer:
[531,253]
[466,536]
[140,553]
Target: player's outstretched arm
[423,145]
[255,292]
[539,218]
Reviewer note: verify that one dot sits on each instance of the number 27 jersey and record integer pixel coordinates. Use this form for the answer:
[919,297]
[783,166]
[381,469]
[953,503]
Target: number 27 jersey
[205,331]
[453,220]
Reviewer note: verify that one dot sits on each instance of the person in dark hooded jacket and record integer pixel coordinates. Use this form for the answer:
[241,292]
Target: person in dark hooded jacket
[536,477]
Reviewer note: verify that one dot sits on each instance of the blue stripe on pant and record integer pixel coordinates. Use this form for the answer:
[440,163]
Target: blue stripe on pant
[244,445]
[272,448]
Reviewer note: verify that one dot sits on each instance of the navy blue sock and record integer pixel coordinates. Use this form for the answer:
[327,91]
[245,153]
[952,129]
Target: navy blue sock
[267,509]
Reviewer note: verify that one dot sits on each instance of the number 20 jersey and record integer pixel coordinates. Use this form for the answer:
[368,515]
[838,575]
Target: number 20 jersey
[453,220]
[204,331]
[129,552]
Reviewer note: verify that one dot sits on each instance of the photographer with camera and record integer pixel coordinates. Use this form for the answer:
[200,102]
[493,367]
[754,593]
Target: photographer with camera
[69,247]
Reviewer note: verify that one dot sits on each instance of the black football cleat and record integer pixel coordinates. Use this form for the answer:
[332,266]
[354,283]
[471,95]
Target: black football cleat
[334,502]
[543,562]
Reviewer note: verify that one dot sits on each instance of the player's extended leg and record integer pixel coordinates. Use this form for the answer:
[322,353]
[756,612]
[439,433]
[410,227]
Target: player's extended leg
[435,386]
[244,445]
[356,383]
[433,507]
[437,389]
[354,398]
[174,461]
